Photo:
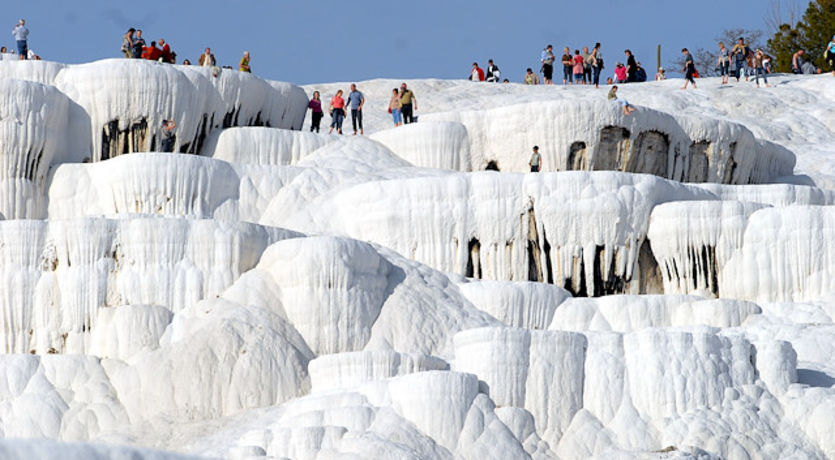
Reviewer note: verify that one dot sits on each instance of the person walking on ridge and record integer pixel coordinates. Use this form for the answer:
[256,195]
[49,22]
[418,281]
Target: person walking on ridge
[493,72]
[316,114]
[394,107]
[723,62]
[547,59]
[536,160]
[531,78]
[689,69]
[244,67]
[740,53]
[759,68]
[356,100]
[408,104]
[596,64]
[477,74]
[21,35]
[337,110]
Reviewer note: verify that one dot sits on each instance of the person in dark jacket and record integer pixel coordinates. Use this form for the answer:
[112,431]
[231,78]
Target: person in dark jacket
[631,67]
[138,45]
[689,69]
[493,72]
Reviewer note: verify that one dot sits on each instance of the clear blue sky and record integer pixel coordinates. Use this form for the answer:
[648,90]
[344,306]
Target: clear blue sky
[308,41]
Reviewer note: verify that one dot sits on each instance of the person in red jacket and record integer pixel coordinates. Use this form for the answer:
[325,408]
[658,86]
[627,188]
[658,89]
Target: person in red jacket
[166,51]
[151,53]
[477,74]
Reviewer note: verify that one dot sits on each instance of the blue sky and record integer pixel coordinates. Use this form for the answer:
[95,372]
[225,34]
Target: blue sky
[326,40]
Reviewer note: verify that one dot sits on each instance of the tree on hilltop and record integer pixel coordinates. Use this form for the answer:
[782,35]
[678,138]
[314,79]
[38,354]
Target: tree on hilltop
[811,33]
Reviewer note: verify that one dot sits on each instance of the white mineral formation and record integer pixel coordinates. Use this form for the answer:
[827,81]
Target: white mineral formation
[661,291]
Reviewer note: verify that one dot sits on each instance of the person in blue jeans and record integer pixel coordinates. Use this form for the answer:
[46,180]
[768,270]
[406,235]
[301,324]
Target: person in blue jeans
[21,34]
[759,68]
[355,101]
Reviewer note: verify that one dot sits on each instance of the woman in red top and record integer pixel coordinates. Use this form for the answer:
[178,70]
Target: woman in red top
[337,112]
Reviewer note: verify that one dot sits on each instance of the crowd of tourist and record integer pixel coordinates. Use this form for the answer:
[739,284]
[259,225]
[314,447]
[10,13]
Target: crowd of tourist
[578,68]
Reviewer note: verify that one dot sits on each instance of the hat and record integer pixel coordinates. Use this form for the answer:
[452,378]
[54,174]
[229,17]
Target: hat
[660,69]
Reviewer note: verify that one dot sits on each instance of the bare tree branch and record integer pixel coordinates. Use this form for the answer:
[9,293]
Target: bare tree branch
[781,12]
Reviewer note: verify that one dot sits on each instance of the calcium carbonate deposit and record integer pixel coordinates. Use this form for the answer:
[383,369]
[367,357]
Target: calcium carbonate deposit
[663,289]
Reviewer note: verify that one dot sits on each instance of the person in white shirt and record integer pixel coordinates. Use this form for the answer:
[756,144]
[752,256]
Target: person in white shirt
[21,34]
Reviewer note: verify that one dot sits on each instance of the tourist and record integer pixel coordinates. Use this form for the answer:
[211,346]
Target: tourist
[759,68]
[586,65]
[797,61]
[505,81]
[394,107]
[138,45]
[609,81]
[127,43]
[640,74]
[723,62]
[661,75]
[21,34]
[829,55]
[477,73]
[337,110]
[244,67]
[547,59]
[578,68]
[620,73]
[536,160]
[493,72]
[408,104]
[631,67]
[613,96]
[207,59]
[356,100]
[166,55]
[689,69]
[567,67]
[596,64]
[316,114]
[168,138]
[186,62]
[531,78]
[152,53]
[740,54]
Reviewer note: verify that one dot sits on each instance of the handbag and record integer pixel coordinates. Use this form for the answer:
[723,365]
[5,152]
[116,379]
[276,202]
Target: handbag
[389,109]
